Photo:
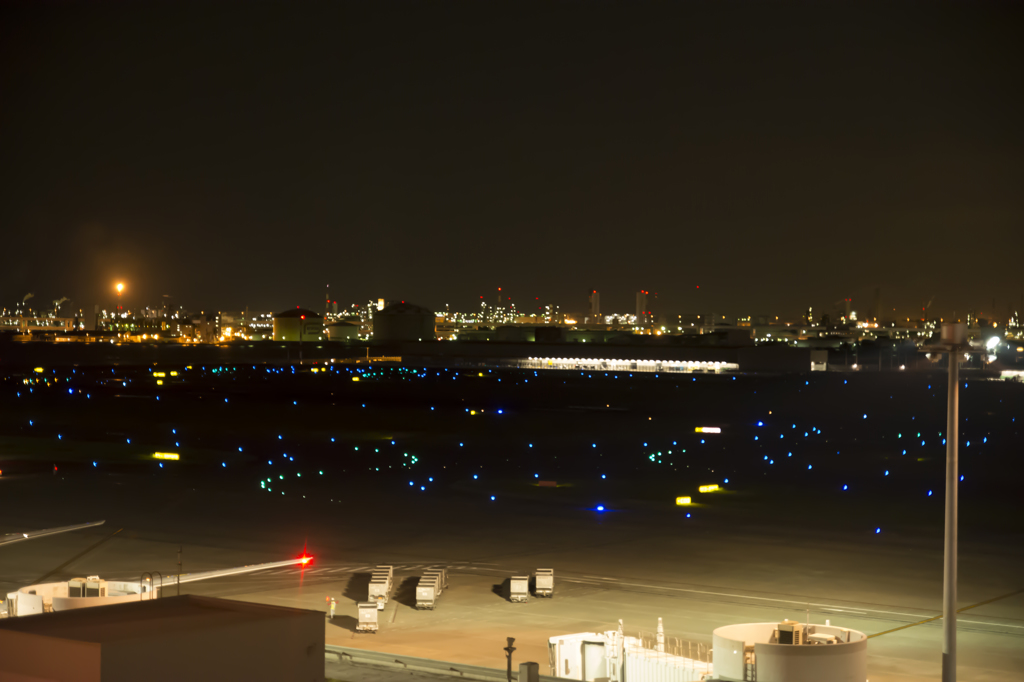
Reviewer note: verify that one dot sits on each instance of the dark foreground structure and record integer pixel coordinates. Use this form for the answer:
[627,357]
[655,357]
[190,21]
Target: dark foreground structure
[172,638]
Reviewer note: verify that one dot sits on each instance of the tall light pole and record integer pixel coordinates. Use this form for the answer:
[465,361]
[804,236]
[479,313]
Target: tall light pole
[953,341]
[120,287]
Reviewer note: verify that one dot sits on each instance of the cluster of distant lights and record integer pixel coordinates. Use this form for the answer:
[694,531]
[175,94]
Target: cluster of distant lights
[370,373]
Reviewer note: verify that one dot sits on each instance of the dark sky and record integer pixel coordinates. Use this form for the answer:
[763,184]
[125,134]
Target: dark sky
[778,156]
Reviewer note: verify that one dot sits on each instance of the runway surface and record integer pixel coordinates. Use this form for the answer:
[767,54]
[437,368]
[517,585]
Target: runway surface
[636,565]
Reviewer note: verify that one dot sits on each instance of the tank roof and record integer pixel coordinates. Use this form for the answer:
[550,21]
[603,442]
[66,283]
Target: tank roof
[404,308]
[298,312]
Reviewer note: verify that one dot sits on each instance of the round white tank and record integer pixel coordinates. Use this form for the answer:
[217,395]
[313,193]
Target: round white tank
[843,660]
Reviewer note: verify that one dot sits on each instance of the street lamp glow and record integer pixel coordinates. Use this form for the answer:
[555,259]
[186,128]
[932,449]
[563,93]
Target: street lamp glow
[119,287]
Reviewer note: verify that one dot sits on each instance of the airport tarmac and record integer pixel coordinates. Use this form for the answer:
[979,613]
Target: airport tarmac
[633,564]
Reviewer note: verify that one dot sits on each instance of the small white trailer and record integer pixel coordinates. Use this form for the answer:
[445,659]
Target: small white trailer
[427,591]
[367,617]
[519,588]
[442,577]
[544,582]
[381,582]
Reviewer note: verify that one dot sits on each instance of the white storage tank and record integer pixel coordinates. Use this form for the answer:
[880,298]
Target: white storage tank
[298,324]
[790,651]
[404,322]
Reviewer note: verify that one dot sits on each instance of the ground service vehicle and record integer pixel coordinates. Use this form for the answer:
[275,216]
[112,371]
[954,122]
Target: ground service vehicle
[519,588]
[381,582]
[442,578]
[427,592]
[367,617]
[544,582]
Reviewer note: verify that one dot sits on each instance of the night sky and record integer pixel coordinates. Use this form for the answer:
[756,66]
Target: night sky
[248,154]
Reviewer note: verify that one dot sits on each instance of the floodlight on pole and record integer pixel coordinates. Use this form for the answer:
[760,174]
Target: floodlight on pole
[120,287]
[953,342]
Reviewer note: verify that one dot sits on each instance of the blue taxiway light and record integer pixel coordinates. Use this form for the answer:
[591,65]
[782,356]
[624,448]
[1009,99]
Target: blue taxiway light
[726,480]
[846,487]
[877,531]
[929,493]
[492,498]
[600,507]
[475,476]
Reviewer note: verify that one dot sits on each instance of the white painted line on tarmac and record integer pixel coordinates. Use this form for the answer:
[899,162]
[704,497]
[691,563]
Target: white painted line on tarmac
[993,625]
[793,602]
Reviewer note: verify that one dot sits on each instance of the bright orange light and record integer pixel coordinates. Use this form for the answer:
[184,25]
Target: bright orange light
[120,287]
[306,559]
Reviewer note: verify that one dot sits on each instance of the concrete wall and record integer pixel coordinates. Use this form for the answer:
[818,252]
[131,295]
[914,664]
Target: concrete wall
[257,651]
[28,656]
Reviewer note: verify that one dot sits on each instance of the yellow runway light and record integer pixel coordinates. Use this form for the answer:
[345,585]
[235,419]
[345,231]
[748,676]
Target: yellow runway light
[159,374]
[708,488]
[680,501]
[708,429]
[165,455]
[39,370]
[355,378]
